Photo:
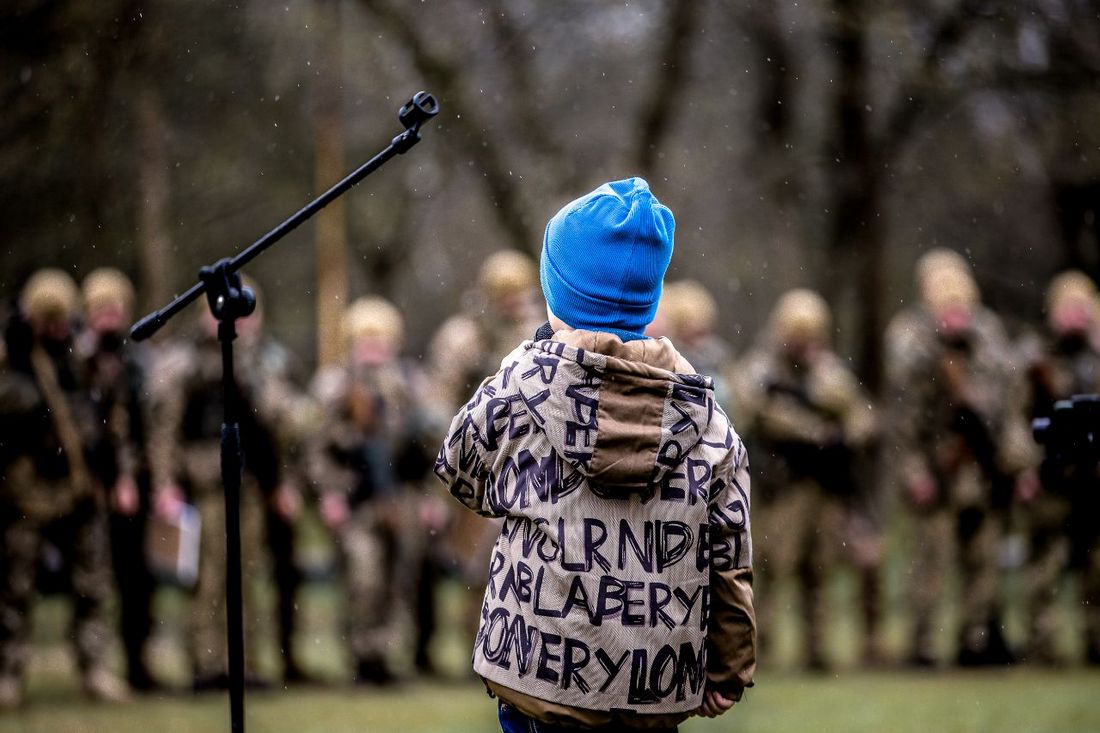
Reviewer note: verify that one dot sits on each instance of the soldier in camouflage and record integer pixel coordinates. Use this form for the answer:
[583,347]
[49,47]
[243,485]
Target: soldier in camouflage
[185,458]
[808,417]
[499,315]
[956,449]
[1061,517]
[48,490]
[116,372]
[365,476]
[689,314]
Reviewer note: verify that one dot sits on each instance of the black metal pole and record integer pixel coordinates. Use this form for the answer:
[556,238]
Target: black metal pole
[231,465]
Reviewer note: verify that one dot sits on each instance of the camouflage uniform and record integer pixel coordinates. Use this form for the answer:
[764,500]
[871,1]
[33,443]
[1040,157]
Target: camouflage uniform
[954,448]
[1061,525]
[808,416]
[116,371]
[185,453]
[362,452]
[467,349]
[291,415]
[49,424]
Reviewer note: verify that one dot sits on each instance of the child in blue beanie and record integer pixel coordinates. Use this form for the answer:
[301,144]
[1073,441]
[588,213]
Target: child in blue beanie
[604,258]
[620,589]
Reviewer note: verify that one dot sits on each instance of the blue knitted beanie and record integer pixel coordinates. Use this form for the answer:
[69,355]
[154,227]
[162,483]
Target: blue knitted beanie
[604,258]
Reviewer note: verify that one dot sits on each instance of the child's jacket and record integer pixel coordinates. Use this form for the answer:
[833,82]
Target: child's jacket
[622,576]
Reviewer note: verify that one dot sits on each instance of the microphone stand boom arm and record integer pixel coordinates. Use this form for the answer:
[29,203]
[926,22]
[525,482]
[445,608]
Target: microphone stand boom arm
[421,108]
[229,300]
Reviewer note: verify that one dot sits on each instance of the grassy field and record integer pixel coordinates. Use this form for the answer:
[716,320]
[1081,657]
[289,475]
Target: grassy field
[1019,700]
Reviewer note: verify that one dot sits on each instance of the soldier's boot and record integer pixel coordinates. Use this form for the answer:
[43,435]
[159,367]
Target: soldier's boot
[373,671]
[870,593]
[99,684]
[813,611]
[984,645]
[11,693]
[1040,648]
[138,675]
[923,654]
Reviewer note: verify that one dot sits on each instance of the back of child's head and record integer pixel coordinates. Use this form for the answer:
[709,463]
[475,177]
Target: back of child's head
[604,258]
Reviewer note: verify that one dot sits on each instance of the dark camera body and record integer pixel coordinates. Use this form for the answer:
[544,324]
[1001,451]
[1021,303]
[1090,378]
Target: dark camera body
[1071,435]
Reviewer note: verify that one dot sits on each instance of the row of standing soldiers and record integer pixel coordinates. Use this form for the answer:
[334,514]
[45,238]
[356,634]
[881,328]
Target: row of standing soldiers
[949,443]
[106,445]
[99,434]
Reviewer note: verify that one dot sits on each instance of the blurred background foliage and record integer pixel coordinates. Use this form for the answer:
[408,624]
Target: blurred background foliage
[823,143]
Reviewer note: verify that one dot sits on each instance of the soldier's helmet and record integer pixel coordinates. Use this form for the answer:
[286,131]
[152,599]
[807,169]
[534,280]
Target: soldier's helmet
[1073,289]
[1072,286]
[689,307]
[950,288]
[373,318]
[49,295]
[800,316]
[107,287]
[507,273]
[939,260]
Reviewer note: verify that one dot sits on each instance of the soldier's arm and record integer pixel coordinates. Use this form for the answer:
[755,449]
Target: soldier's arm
[168,391]
[331,480]
[454,352]
[1019,453]
[18,402]
[731,631]
[775,413]
[908,381]
[118,424]
[845,397]
[328,473]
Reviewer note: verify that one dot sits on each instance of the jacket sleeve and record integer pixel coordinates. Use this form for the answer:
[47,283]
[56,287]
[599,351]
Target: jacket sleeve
[731,632]
[460,464]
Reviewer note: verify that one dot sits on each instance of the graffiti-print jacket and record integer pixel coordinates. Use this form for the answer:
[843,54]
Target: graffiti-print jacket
[621,584]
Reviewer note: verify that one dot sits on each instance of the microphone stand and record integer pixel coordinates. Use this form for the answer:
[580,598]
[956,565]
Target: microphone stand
[229,300]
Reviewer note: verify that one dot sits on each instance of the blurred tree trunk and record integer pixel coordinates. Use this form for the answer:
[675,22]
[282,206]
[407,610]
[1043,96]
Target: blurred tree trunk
[853,277]
[668,87]
[774,154]
[444,75]
[155,254]
[1079,219]
[331,223]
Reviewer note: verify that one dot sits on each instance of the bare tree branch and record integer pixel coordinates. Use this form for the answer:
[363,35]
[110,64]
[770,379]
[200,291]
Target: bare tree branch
[668,88]
[445,79]
[923,86]
[515,46]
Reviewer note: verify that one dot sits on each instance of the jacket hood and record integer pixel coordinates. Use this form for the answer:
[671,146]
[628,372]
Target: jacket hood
[623,414]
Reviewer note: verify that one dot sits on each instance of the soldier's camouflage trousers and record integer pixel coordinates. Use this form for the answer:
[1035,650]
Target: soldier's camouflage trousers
[1090,592]
[373,612]
[1048,565]
[801,534]
[81,535]
[947,539]
[207,622]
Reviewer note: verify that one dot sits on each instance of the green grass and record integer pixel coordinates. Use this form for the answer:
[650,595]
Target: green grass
[1019,700]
